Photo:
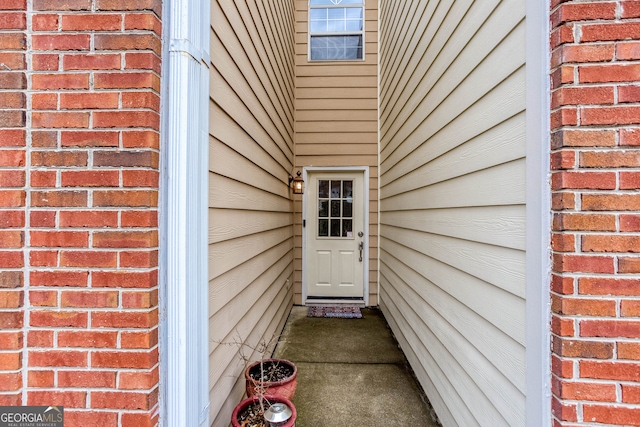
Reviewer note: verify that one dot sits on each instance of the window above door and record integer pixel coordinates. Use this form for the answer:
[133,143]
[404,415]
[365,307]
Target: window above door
[336,30]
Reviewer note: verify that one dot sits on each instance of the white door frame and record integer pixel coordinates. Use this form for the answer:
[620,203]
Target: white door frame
[365,255]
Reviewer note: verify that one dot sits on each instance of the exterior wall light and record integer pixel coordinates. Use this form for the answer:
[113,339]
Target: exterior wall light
[298,183]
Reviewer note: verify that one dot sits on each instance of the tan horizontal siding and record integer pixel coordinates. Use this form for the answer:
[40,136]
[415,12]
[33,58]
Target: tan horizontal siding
[337,121]
[335,93]
[327,150]
[250,158]
[339,160]
[359,115]
[351,126]
[257,322]
[330,69]
[325,105]
[335,138]
[351,81]
[452,201]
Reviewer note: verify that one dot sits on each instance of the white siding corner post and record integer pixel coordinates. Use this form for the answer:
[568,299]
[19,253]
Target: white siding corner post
[183,257]
[538,376]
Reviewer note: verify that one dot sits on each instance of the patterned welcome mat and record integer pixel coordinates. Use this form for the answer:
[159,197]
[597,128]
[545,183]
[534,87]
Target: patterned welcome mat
[344,312]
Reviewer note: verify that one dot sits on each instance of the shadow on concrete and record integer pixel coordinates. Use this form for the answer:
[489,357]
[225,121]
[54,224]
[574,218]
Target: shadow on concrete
[351,373]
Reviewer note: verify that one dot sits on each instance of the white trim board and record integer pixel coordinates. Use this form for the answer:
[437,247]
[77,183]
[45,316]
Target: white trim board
[184,398]
[365,256]
[538,211]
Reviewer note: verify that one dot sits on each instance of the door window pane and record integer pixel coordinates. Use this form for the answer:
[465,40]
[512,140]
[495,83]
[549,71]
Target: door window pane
[347,189]
[323,188]
[323,208]
[323,228]
[347,228]
[347,208]
[335,228]
[335,209]
[335,189]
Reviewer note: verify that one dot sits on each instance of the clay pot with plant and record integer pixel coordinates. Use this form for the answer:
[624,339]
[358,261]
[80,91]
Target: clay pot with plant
[270,384]
[275,377]
[264,411]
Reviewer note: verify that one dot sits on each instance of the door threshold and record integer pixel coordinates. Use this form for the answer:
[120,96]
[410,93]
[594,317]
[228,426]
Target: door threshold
[333,302]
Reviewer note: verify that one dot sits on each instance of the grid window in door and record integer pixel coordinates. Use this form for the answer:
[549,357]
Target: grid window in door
[335,208]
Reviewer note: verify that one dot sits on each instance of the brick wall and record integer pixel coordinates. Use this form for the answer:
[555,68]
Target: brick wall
[78,208]
[13,83]
[595,160]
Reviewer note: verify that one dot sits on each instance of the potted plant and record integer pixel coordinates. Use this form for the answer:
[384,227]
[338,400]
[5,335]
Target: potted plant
[270,384]
[276,377]
[264,411]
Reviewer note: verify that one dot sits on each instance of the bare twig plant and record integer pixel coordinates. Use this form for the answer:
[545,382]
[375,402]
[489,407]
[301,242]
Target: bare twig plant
[264,348]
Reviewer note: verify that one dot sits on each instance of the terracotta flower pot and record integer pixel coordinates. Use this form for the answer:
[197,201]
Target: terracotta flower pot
[255,400]
[285,388]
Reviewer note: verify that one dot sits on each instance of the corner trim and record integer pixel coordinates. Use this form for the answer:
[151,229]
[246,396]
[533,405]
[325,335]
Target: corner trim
[184,398]
[538,213]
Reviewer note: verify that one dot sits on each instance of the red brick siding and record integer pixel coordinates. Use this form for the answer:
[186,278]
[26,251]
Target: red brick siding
[13,152]
[78,208]
[595,162]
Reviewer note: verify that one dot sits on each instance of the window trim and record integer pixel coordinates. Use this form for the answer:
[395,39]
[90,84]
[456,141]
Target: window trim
[361,5]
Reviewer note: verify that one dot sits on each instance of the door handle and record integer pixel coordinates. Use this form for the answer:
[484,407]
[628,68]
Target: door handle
[361,248]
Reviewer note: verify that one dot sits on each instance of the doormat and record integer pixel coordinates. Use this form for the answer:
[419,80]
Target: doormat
[344,312]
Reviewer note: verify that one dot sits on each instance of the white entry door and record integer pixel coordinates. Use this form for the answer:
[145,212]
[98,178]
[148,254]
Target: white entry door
[335,235]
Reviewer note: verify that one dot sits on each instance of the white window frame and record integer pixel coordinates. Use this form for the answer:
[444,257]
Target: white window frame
[310,34]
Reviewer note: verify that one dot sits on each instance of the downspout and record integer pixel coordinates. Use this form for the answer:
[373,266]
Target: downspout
[184,399]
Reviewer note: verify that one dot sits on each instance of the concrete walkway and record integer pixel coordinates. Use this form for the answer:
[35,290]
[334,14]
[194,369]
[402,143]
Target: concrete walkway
[350,373]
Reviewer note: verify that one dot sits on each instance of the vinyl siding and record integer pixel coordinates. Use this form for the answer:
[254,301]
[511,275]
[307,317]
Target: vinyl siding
[250,207]
[336,123]
[452,201]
